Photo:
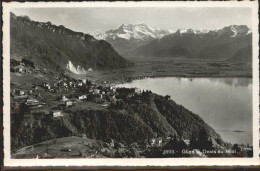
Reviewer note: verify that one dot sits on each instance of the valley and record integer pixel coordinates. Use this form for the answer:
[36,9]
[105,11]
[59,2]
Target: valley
[169,67]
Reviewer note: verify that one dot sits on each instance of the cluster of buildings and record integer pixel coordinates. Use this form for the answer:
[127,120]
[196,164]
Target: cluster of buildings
[68,92]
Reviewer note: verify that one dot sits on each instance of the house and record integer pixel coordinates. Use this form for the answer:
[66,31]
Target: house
[80,84]
[48,87]
[68,103]
[84,81]
[153,141]
[20,70]
[82,97]
[156,141]
[32,102]
[64,98]
[21,92]
[90,70]
[57,113]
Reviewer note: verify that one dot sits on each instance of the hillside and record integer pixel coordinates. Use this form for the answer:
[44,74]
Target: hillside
[58,48]
[129,120]
[130,36]
[218,45]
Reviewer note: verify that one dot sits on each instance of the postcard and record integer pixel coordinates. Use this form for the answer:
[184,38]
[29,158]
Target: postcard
[131,83]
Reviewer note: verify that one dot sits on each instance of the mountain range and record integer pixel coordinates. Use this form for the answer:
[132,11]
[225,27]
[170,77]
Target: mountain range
[130,36]
[232,43]
[59,48]
[223,44]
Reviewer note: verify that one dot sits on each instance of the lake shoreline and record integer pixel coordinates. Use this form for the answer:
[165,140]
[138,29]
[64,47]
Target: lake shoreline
[226,86]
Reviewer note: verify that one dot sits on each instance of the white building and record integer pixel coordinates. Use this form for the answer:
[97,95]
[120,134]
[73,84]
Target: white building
[84,81]
[21,93]
[82,97]
[68,103]
[64,98]
[57,113]
[156,141]
[32,102]
[20,70]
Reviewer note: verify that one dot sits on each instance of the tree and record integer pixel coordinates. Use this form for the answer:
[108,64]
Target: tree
[204,140]
[236,147]
[167,97]
[194,142]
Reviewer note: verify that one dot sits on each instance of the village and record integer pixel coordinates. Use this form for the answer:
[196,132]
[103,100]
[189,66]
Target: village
[54,97]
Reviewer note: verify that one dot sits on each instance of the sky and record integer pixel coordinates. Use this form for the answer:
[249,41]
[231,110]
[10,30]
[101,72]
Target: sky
[90,20]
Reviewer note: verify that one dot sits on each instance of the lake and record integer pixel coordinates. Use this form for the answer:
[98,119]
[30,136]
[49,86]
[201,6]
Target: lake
[223,103]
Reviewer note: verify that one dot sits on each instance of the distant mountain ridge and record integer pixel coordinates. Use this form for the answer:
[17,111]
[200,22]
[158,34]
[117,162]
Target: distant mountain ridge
[131,36]
[57,47]
[220,44]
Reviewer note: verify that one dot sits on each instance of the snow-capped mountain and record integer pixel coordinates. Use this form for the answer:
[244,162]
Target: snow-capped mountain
[233,31]
[221,44]
[130,36]
[182,31]
[133,31]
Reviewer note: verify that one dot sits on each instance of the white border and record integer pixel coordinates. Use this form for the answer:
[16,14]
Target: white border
[129,162]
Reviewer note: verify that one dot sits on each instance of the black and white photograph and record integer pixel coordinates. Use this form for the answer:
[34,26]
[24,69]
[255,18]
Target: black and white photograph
[128,82]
